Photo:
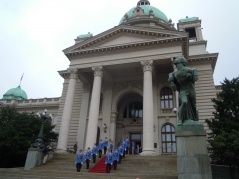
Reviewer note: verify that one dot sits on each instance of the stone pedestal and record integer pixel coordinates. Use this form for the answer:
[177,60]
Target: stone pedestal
[34,158]
[192,157]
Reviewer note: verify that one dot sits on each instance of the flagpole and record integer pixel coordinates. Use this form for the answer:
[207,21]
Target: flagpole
[21,79]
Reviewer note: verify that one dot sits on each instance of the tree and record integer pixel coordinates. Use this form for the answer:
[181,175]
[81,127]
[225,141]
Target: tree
[224,126]
[17,132]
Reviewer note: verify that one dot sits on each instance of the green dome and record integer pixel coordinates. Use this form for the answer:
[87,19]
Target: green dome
[15,93]
[146,11]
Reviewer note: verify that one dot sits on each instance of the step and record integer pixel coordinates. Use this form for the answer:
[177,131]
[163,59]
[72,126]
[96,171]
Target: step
[132,166]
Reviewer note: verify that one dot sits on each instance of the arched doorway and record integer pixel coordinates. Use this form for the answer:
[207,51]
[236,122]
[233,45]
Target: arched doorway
[130,119]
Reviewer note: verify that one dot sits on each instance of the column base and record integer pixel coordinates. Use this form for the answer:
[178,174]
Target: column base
[60,151]
[148,153]
[34,158]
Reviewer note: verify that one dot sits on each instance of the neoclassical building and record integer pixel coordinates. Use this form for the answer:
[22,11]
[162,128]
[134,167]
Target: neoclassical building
[116,85]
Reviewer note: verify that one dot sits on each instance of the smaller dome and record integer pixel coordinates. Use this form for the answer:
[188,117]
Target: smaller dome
[85,36]
[15,93]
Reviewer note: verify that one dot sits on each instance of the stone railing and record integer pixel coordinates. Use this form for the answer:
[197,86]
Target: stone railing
[31,101]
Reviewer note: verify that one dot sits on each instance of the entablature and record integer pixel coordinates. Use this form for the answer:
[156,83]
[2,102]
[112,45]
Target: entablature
[212,57]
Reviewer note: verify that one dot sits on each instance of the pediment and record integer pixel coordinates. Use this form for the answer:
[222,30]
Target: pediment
[124,35]
[122,38]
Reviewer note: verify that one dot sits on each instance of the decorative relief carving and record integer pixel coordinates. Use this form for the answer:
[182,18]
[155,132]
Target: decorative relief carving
[106,86]
[151,12]
[73,73]
[119,86]
[138,11]
[147,65]
[137,84]
[128,84]
[98,70]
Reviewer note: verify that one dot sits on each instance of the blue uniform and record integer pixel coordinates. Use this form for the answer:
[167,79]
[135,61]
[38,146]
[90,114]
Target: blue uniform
[88,155]
[79,161]
[108,162]
[111,147]
[127,145]
[124,147]
[100,148]
[80,158]
[133,147]
[115,158]
[105,143]
[94,153]
[95,150]
[121,152]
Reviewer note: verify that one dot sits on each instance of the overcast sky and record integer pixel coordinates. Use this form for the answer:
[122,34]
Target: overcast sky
[33,34]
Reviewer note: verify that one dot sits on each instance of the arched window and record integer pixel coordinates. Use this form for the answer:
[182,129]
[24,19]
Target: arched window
[166,98]
[168,139]
[134,110]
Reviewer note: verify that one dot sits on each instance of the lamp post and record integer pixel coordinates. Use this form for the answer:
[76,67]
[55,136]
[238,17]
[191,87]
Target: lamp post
[39,141]
[105,127]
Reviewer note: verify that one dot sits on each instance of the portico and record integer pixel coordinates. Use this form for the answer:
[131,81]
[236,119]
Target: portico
[117,85]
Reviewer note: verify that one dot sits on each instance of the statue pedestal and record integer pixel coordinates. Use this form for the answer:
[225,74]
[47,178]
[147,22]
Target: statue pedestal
[192,157]
[34,158]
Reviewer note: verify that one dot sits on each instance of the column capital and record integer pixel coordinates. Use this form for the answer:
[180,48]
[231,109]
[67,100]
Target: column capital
[147,65]
[73,73]
[98,70]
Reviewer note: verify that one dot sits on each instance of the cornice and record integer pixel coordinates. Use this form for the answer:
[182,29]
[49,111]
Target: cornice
[190,22]
[198,42]
[64,73]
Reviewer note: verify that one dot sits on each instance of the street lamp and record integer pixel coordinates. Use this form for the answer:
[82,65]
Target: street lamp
[39,143]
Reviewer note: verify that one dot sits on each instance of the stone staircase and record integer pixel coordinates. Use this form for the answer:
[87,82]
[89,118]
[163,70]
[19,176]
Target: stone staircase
[62,166]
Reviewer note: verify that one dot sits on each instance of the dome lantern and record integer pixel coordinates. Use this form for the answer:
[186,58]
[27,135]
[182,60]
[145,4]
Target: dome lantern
[143,2]
[144,10]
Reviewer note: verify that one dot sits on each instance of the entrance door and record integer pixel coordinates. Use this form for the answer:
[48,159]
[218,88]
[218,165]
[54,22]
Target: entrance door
[136,138]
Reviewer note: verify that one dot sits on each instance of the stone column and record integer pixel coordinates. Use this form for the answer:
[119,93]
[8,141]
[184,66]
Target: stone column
[94,107]
[148,119]
[83,116]
[113,127]
[67,112]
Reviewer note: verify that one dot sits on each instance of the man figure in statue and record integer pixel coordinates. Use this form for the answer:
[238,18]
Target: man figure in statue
[183,80]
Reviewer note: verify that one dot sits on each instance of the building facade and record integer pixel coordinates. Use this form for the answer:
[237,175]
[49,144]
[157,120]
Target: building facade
[117,85]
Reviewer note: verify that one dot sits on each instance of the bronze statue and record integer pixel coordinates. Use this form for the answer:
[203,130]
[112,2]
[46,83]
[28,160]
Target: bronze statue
[183,80]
